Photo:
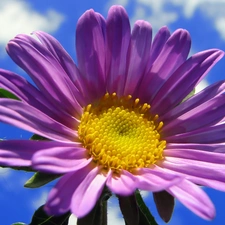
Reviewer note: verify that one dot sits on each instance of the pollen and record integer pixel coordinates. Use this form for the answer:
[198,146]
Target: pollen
[121,134]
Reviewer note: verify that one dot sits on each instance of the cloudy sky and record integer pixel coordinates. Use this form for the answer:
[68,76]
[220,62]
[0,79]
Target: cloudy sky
[204,19]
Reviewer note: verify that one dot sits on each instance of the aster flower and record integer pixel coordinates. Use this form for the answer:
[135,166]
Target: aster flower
[117,118]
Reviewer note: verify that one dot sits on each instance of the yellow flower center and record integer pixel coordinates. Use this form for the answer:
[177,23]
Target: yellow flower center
[120,133]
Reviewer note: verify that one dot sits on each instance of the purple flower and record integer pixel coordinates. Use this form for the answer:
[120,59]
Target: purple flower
[116,118]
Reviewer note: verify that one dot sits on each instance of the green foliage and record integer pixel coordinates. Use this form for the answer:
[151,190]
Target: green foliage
[189,95]
[145,217]
[39,179]
[19,223]
[37,137]
[24,168]
[41,218]
[6,94]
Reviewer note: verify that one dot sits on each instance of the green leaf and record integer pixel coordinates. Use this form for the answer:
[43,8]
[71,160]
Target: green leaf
[41,218]
[145,217]
[39,179]
[165,204]
[19,223]
[189,95]
[129,209]
[37,137]
[6,94]
[24,168]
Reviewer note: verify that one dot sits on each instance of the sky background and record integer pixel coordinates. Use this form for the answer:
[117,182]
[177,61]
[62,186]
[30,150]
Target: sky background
[204,19]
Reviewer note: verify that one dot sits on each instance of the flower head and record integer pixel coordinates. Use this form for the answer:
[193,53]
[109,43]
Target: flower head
[117,118]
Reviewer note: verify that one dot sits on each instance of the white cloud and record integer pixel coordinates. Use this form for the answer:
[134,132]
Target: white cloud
[203,84]
[114,213]
[189,7]
[72,220]
[17,16]
[211,9]
[124,3]
[145,194]
[220,26]
[165,18]
[166,12]
[40,200]
[5,172]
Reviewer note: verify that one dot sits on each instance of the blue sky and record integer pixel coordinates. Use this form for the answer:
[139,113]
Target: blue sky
[204,19]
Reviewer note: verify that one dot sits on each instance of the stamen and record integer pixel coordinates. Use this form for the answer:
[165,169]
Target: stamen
[120,133]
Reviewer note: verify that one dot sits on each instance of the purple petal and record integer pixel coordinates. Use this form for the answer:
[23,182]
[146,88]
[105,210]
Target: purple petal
[193,198]
[197,99]
[26,117]
[158,43]
[220,147]
[32,96]
[155,179]
[117,44]
[215,184]
[173,54]
[88,192]
[123,184]
[198,155]
[61,56]
[61,159]
[196,168]
[60,197]
[46,72]
[139,53]
[184,79]
[90,46]
[206,114]
[211,135]
[18,153]
[205,181]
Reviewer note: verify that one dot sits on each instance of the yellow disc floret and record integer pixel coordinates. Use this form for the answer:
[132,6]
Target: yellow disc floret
[120,133]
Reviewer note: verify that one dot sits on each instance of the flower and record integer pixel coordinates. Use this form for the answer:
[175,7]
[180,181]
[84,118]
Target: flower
[117,117]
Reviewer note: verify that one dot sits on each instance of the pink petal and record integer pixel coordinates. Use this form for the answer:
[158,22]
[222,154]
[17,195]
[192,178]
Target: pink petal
[123,184]
[196,168]
[155,179]
[88,192]
[61,159]
[20,152]
[195,178]
[195,154]
[193,198]
[214,147]
[17,153]
[60,196]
